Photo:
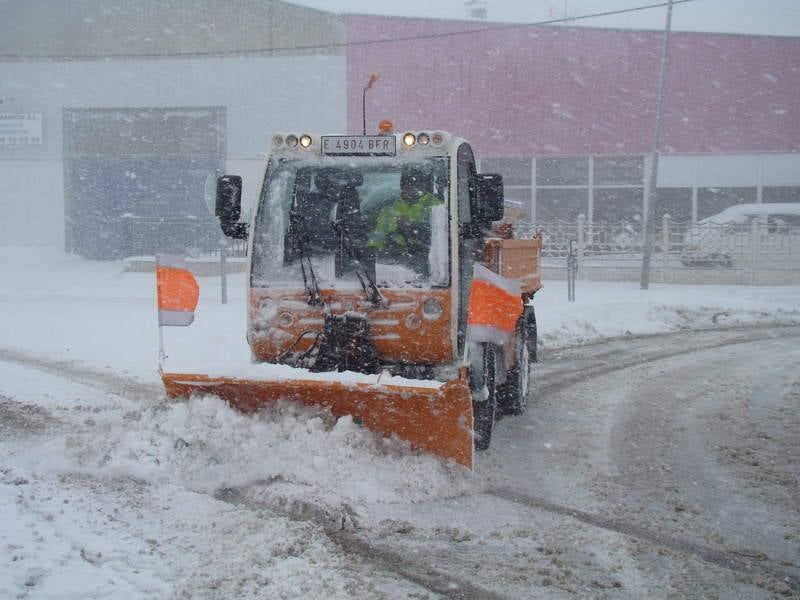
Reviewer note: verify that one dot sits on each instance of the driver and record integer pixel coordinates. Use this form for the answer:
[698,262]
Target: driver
[403,227]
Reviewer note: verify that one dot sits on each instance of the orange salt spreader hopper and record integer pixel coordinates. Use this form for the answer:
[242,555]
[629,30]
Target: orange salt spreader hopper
[361,253]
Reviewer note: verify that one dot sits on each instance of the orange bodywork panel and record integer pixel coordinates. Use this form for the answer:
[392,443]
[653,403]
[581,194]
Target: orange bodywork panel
[435,420]
[401,332]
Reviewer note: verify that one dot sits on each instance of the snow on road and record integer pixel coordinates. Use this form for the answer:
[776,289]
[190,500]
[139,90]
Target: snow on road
[101,496]
[110,494]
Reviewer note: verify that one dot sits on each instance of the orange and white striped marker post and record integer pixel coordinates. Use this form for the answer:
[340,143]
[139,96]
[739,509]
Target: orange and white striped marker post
[495,306]
[177,294]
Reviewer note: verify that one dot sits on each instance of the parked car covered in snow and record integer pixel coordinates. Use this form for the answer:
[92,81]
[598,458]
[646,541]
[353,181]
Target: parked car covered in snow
[727,237]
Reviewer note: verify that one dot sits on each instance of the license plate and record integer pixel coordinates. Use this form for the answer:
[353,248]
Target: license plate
[352,145]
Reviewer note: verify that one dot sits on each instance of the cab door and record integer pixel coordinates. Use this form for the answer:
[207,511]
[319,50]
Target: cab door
[470,247]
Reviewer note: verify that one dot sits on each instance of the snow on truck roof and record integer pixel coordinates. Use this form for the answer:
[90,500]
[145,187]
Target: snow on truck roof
[741,212]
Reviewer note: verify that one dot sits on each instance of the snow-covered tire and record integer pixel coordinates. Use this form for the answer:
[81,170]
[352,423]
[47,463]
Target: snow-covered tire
[531,333]
[516,391]
[484,398]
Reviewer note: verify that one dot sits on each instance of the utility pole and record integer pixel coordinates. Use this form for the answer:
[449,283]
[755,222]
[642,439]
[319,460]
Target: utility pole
[650,205]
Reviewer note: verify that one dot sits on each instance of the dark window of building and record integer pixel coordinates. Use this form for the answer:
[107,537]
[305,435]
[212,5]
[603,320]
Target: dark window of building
[619,170]
[516,170]
[614,205]
[562,171]
[560,204]
[712,200]
[781,194]
[675,202]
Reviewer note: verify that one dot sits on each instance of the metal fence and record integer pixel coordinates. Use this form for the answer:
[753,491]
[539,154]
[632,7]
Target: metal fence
[755,252]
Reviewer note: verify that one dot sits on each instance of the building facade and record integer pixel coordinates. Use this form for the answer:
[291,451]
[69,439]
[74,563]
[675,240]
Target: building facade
[137,103]
[113,115]
[567,115]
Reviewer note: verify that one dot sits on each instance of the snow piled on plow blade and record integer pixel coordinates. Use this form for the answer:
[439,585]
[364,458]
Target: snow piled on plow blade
[431,416]
[205,445]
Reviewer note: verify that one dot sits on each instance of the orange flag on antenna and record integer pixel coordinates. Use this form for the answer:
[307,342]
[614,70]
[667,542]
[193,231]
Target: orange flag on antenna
[177,291]
[495,305]
[372,79]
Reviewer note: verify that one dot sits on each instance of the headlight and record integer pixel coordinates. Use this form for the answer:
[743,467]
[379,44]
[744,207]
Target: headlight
[423,139]
[277,141]
[413,321]
[432,309]
[291,141]
[409,139]
[305,140]
[268,310]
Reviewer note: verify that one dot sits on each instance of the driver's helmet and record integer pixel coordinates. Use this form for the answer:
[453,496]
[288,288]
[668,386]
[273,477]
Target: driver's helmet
[414,182]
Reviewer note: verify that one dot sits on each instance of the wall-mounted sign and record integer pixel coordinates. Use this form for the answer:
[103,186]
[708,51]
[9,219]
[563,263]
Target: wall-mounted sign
[20,129]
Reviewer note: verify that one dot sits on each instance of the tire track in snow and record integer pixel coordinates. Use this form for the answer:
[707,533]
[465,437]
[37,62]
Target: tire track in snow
[340,528]
[105,381]
[608,360]
[726,560]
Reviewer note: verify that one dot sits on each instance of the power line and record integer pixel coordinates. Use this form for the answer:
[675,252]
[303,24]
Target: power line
[410,38]
[517,25]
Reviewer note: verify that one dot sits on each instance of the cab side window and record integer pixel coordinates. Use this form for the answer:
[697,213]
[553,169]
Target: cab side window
[465,166]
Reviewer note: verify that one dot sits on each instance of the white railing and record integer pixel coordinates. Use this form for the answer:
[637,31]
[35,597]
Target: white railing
[755,252]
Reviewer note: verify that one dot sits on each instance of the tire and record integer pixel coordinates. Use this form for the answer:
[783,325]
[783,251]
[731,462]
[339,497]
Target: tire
[484,409]
[516,391]
[532,333]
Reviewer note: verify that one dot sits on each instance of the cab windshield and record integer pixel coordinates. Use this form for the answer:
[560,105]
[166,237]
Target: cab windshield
[339,223]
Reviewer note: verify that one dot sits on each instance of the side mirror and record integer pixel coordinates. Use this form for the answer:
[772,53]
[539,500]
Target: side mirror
[229,206]
[490,197]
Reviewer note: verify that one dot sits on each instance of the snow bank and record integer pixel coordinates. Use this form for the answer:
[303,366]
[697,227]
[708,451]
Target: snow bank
[612,309]
[205,446]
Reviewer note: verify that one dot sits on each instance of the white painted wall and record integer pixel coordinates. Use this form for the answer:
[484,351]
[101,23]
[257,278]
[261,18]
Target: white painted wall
[31,192]
[260,94]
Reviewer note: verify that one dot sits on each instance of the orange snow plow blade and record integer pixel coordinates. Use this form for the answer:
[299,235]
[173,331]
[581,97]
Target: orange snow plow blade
[437,420]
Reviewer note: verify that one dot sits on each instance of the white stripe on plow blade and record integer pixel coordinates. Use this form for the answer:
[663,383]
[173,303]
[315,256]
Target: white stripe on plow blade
[176,318]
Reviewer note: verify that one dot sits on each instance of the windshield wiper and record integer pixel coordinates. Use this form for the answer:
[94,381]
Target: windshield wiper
[370,288]
[297,233]
[374,294]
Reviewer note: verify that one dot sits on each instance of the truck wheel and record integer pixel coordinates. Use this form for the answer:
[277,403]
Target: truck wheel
[516,391]
[531,333]
[484,398]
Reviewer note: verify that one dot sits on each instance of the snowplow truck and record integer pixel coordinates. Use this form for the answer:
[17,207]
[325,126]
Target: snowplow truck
[362,251]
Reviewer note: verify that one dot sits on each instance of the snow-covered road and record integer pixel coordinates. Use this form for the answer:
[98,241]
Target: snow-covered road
[658,473]
[649,465]
[639,478]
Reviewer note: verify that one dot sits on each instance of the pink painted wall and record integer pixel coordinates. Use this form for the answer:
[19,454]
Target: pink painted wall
[557,91]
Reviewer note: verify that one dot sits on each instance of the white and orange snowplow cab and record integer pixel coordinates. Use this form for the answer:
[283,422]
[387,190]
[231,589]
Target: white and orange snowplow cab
[361,255]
